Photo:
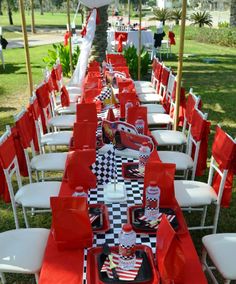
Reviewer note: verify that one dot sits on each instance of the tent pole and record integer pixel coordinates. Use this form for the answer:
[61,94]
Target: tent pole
[32,17]
[128,12]
[180,64]
[26,45]
[139,40]
[69,30]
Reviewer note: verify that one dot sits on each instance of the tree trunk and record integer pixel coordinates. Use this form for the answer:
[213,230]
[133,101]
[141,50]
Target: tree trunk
[1,13]
[41,6]
[233,13]
[9,13]
[100,39]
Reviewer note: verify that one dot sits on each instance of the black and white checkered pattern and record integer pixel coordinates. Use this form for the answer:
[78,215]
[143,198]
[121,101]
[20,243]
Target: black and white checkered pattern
[105,167]
[106,93]
[118,212]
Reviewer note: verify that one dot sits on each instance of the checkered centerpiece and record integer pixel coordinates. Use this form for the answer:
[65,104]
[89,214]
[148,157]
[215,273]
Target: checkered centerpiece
[106,93]
[118,212]
[105,167]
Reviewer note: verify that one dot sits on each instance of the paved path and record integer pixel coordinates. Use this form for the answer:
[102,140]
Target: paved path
[36,40]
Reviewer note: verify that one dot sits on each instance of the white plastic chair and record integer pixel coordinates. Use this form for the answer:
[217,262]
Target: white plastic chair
[54,138]
[22,251]
[221,249]
[32,195]
[42,162]
[195,195]
[178,138]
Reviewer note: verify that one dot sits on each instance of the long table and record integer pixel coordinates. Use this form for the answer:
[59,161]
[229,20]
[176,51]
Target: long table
[71,266]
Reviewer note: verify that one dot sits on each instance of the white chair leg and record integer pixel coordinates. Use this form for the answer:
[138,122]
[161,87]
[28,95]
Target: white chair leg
[2,277]
[216,218]
[204,216]
[36,278]
[25,217]
[15,215]
[206,267]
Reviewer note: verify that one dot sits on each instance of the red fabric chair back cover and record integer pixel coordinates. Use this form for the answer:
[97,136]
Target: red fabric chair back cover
[171,37]
[84,133]
[190,105]
[71,226]
[121,37]
[25,128]
[124,98]
[224,152]
[200,131]
[164,175]
[7,152]
[134,113]
[165,76]
[77,169]
[65,99]
[86,111]
[53,78]
[58,72]
[169,254]
[51,85]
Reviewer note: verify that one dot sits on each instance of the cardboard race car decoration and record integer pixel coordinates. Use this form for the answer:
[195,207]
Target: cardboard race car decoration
[123,135]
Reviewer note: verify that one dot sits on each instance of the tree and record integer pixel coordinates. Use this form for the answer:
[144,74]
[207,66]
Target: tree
[233,13]
[9,11]
[201,19]
[41,6]
[100,39]
[1,13]
[161,15]
[176,15]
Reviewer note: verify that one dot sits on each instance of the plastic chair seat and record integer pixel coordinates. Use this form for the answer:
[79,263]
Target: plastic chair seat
[169,137]
[143,84]
[62,121]
[190,193]
[155,108]
[57,138]
[183,161]
[149,98]
[222,251]
[22,250]
[71,109]
[49,162]
[145,90]
[37,195]
[159,118]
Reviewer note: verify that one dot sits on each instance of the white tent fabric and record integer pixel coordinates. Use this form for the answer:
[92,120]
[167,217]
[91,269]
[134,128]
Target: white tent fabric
[95,3]
[79,73]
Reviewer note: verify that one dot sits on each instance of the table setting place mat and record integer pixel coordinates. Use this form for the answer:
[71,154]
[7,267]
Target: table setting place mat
[155,223]
[125,275]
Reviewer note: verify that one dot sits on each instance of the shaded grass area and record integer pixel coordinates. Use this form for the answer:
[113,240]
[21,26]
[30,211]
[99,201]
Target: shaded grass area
[214,82]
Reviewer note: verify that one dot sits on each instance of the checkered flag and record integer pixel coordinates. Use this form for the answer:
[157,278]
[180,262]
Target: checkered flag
[105,167]
[106,93]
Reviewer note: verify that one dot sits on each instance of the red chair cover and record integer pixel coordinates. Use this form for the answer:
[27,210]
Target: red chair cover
[171,37]
[200,131]
[51,86]
[58,72]
[25,129]
[7,154]
[86,111]
[165,76]
[65,99]
[134,113]
[164,175]
[190,105]
[169,254]
[53,78]
[224,152]
[158,72]
[121,37]
[67,35]
[84,133]
[77,169]
[71,226]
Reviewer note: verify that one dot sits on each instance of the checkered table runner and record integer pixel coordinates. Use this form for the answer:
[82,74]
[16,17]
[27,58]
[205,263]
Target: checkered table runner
[118,212]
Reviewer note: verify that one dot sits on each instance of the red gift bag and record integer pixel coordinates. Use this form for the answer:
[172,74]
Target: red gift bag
[71,226]
[135,113]
[84,133]
[164,175]
[169,254]
[86,111]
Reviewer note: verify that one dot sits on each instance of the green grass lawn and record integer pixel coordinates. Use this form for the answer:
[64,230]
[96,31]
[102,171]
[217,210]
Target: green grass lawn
[48,20]
[215,83]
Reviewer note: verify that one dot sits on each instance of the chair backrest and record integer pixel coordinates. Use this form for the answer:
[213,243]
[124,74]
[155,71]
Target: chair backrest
[9,163]
[36,113]
[165,76]
[199,123]
[158,72]
[223,155]
[59,73]
[25,127]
